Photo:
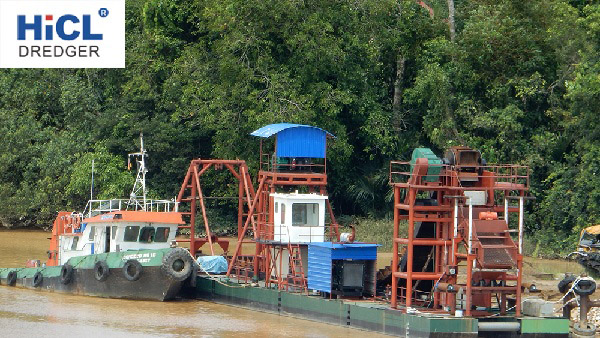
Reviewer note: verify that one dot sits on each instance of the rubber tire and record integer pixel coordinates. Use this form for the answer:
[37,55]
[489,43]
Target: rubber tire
[66,274]
[137,266]
[587,291]
[101,271]
[11,278]
[193,275]
[177,254]
[38,278]
[588,332]
[563,285]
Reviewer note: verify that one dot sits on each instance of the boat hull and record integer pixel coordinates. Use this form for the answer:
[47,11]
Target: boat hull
[153,283]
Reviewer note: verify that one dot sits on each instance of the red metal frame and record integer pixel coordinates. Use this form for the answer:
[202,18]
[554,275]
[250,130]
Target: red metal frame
[191,192]
[453,231]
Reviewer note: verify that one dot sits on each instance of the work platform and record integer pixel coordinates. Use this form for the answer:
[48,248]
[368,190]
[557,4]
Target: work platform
[370,315]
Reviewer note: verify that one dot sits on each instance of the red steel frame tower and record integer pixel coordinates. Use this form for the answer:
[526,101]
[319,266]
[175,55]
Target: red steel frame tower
[451,212]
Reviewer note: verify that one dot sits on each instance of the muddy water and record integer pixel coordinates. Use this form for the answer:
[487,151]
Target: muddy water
[25,313]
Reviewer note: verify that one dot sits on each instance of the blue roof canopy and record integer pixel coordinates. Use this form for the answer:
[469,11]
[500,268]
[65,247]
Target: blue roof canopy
[296,140]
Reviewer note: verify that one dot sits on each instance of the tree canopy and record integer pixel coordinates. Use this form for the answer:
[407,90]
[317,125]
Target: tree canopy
[519,80]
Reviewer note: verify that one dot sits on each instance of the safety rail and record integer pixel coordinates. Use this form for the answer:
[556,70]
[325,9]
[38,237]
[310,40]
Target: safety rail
[515,177]
[97,207]
[314,235]
[268,162]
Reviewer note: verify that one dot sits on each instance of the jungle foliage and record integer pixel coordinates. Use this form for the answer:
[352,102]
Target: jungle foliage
[519,80]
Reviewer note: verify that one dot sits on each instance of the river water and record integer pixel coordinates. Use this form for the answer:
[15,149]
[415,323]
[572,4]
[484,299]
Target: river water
[26,313]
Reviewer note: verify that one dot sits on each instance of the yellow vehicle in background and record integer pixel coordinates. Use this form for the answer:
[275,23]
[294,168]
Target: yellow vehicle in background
[588,250]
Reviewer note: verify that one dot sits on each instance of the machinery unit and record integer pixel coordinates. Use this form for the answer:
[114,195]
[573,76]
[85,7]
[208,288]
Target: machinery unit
[342,269]
[457,209]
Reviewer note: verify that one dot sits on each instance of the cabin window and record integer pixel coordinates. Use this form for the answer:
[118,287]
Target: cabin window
[162,234]
[276,206]
[92,233]
[282,213]
[131,233]
[305,214]
[147,235]
[113,232]
[75,241]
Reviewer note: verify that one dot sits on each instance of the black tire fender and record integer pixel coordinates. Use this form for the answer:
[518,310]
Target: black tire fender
[563,285]
[177,264]
[38,278]
[132,270]
[66,274]
[585,287]
[194,274]
[11,278]
[101,271]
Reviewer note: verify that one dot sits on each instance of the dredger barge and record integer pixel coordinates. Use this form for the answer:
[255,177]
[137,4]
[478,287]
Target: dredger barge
[457,272]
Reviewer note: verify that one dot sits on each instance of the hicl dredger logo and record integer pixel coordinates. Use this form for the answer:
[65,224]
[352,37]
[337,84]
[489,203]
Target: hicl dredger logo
[62,34]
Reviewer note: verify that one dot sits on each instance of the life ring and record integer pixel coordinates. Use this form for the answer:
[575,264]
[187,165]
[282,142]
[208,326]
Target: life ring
[11,278]
[101,271]
[132,270]
[38,278]
[177,264]
[66,274]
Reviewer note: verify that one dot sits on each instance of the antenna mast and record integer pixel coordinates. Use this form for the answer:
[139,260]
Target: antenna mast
[140,180]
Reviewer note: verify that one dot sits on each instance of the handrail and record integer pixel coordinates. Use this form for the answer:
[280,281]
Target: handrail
[97,207]
[399,172]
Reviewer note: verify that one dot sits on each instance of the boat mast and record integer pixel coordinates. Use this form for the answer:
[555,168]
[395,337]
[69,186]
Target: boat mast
[140,180]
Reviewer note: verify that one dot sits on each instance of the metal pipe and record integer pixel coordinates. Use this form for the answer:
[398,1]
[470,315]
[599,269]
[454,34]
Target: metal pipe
[506,210]
[499,326]
[470,226]
[521,225]
[455,217]
[395,249]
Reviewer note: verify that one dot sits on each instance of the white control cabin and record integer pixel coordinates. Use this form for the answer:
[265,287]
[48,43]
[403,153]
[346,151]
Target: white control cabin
[299,218]
[120,231]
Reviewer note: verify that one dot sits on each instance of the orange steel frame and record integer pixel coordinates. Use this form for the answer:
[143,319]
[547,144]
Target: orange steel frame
[507,180]
[255,210]
[191,192]
[268,252]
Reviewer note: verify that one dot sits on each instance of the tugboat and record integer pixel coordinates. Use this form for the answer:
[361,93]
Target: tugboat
[115,248]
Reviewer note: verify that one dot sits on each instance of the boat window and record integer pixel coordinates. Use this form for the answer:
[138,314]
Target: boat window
[75,241]
[276,207]
[92,233]
[305,214]
[162,234]
[114,232]
[282,213]
[147,235]
[131,233]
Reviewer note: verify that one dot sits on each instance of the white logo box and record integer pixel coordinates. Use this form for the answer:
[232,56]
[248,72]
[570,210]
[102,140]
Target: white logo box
[105,17]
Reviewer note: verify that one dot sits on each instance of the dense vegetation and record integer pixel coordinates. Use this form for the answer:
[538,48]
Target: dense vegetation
[519,80]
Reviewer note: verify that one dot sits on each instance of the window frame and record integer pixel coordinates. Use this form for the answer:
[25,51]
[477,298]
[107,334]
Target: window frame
[136,237]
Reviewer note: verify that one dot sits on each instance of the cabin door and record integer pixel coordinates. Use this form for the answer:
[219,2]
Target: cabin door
[107,242]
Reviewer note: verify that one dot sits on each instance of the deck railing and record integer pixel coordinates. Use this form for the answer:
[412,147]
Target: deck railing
[97,207]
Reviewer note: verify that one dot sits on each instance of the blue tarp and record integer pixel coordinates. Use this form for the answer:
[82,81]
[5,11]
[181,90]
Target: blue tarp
[213,264]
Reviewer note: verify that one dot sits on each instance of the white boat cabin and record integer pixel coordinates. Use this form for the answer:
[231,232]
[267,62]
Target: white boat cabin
[299,218]
[120,231]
